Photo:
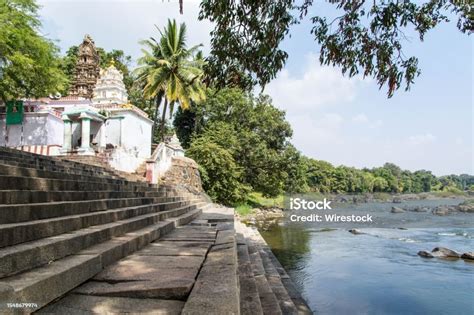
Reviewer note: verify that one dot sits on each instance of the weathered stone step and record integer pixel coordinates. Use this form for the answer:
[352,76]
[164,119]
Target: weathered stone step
[275,277]
[37,211]
[25,256]
[287,305]
[249,297]
[31,196]
[14,162]
[53,168]
[216,290]
[44,284]
[42,159]
[33,172]
[301,305]
[12,234]
[268,299]
[47,184]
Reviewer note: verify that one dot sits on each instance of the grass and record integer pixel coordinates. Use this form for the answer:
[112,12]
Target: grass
[243,209]
[448,192]
[257,200]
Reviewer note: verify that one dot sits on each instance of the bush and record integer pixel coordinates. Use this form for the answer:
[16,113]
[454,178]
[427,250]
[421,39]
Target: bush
[221,177]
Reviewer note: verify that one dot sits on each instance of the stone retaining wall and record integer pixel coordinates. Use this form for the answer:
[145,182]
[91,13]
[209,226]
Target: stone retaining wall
[184,172]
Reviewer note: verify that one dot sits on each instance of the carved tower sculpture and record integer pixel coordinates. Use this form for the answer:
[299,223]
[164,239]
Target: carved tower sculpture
[87,69]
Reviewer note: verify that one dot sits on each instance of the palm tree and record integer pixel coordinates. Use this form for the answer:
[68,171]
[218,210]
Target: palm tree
[169,72]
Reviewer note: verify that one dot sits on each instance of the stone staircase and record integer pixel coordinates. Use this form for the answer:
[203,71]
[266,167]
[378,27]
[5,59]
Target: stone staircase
[62,222]
[265,287]
[81,239]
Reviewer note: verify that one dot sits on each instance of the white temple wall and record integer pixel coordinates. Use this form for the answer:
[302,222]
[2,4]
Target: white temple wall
[125,160]
[38,129]
[95,128]
[137,134]
[112,134]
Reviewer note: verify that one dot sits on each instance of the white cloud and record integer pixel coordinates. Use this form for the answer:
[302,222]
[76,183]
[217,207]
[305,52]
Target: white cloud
[360,118]
[318,86]
[421,139]
[376,124]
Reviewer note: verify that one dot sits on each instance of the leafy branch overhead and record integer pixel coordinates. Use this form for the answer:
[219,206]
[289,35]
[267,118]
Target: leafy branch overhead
[364,38]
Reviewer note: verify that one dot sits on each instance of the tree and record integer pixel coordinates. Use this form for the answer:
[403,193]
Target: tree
[221,176]
[253,131]
[364,37]
[29,63]
[170,72]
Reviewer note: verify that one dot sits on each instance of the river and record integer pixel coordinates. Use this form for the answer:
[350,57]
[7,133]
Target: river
[379,272]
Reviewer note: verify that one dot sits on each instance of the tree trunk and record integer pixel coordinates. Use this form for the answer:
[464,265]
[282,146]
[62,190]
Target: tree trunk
[155,116]
[163,120]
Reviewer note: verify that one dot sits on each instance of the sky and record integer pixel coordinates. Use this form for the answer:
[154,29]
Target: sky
[345,121]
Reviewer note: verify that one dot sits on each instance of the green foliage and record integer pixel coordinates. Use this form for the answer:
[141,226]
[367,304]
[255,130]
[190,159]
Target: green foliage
[243,209]
[253,131]
[363,37]
[221,176]
[29,63]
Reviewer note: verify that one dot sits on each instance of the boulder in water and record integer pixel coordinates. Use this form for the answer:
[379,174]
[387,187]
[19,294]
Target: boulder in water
[443,252]
[468,256]
[397,210]
[441,210]
[424,253]
[420,209]
[439,252]
[397,200]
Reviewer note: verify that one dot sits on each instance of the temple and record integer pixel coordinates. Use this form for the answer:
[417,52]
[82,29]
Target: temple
[87,69]
[95,119]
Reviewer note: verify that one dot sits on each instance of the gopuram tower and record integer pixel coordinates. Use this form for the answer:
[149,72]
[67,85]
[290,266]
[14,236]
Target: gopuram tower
[87,69]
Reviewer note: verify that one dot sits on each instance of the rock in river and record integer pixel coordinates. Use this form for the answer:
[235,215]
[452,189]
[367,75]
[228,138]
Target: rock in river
[469,256]
[439,252]
[397,210]
[397,200]
[441,210]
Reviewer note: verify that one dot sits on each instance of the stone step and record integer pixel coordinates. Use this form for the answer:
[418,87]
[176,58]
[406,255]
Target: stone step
[301,305]
[12,234]
[53,168]
[33,172]
[25,256]
[37,211]
[10,197]
[268,299]
[45,284]
[41,160]
[287,305]
[275,277]
[216,290]
[48,184]
[249,297]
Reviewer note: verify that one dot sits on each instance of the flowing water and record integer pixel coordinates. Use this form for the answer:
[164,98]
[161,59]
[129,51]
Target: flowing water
[379,272]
